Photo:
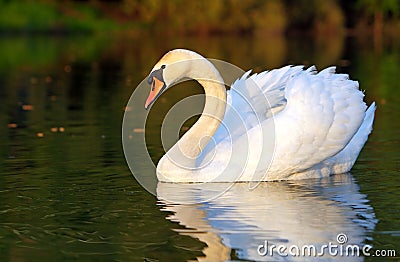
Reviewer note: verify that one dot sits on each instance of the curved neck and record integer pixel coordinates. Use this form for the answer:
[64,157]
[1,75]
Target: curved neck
[198,136]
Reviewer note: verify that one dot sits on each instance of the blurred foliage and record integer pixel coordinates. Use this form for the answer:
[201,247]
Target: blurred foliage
[377,13]
[50,17]
[196,17]
[390,7]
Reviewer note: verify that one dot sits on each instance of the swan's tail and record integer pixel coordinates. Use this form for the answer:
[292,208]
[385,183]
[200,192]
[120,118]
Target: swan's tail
[369,119]
[365,129]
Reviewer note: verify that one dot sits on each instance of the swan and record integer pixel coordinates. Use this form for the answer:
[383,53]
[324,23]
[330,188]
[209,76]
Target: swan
[284,124]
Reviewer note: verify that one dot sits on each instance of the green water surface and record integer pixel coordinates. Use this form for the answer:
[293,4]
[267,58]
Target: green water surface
[66,192]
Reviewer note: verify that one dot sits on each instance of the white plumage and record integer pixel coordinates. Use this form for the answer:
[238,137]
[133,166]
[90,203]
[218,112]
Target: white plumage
[286,123]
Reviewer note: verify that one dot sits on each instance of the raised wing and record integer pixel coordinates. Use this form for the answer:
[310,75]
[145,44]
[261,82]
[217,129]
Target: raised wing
[322,114]
[253,99]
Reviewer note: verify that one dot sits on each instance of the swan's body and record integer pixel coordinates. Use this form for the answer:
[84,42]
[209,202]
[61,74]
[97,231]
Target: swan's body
[287,123]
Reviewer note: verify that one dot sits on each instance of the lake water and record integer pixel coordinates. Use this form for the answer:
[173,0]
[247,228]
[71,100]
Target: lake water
[66,192]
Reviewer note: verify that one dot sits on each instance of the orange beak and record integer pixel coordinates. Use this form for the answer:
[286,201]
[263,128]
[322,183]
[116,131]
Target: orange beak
[157,87]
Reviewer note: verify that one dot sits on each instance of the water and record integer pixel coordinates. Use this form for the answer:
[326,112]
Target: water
[66,192]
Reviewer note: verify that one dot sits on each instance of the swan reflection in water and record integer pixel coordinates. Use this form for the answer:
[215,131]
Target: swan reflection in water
[306,212]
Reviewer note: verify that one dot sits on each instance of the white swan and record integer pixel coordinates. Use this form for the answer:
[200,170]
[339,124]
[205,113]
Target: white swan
[282,124]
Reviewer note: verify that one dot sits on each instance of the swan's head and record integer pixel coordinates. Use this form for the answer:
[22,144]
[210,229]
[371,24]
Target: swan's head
[172,67]
[157,85]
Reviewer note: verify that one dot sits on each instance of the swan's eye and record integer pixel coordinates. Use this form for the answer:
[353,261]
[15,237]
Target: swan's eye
[157,74]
